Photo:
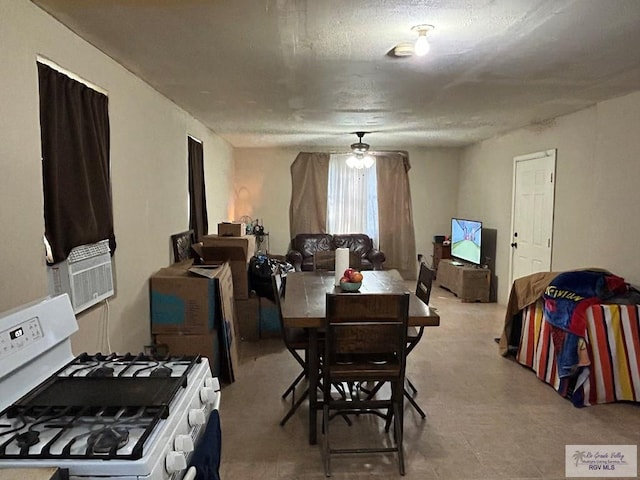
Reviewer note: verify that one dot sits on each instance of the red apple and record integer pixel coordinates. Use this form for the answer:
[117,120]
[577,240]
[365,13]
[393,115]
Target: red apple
[347,274]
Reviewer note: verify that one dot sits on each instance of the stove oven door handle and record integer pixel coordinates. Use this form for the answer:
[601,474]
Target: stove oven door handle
[191,474]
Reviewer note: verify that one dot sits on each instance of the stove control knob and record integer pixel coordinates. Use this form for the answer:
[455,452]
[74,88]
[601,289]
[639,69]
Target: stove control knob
[183,443]
[207,394]
[212,382]
[196,417]
[175,462]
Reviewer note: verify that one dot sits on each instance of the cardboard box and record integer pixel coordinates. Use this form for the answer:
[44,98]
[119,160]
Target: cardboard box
[225,317]
[234,248]
[237,251]
[231,229]
[248,315]
[206,345]
[182,302]
[192,300]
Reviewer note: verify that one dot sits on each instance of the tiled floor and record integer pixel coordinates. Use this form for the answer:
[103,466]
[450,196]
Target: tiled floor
[487,417]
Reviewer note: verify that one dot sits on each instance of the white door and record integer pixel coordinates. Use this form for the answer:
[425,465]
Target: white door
[532,214]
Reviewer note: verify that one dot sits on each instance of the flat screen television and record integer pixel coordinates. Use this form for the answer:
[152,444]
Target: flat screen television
[466,240]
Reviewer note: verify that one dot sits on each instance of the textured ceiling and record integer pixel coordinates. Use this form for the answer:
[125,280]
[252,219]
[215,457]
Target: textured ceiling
[264,73]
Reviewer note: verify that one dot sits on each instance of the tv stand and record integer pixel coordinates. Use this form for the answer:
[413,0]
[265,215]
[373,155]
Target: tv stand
[467,282]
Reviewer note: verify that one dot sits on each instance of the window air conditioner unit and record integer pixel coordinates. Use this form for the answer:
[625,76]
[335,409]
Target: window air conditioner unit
[85,275]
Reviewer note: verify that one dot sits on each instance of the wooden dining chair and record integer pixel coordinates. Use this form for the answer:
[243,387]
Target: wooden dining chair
[414,334]
[296,341]
[181,244]
[365,341]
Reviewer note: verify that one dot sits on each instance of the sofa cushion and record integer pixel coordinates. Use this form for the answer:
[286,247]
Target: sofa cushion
[358,243]
[310,243]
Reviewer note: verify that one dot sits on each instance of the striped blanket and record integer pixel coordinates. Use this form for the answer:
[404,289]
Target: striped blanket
[609,369]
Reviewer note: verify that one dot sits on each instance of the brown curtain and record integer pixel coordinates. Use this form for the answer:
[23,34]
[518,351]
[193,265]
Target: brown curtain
[309,179]
[395,216]
[198,221]
[74,130]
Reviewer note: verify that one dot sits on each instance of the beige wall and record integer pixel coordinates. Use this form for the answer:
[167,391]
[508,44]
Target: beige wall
[597,194]
[262,189]
[434,185]
[148,172]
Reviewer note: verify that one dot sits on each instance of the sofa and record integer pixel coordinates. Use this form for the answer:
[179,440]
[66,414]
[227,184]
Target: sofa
[305,245]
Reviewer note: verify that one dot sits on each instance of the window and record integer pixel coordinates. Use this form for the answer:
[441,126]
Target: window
[352,199]
[198,221]
[74,129]
[393,231]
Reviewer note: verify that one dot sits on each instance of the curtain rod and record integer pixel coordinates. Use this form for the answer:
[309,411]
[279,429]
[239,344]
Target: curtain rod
[372,152]
[70,74]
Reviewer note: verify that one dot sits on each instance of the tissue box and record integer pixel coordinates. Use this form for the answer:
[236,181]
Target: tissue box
[229,229]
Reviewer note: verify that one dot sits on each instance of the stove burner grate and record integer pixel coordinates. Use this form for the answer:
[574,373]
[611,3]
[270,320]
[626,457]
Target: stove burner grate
[107,440]
[72,433]
[94,407]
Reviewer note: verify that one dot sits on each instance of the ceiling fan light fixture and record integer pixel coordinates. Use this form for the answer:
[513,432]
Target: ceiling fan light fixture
[352,161]
[360,146]
[404,49]
[368,161]
[360,159]
[422,47]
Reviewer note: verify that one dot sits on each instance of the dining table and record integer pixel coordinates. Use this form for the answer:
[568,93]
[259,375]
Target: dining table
[304,306]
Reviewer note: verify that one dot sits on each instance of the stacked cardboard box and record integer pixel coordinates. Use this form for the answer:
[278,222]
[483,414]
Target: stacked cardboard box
[192,313]
[237,251]
[248,315]
[181,302]
[232,229]
[206,345]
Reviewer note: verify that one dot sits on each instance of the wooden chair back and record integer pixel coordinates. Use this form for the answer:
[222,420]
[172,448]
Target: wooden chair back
[366,330]
[425,281]
[365,340]
[278,286]
[181,243]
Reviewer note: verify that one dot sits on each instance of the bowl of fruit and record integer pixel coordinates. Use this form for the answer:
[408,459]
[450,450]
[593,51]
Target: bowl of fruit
[351,280]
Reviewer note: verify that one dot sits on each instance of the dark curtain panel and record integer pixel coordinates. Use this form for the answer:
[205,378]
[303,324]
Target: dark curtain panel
[74,126]
[198,221]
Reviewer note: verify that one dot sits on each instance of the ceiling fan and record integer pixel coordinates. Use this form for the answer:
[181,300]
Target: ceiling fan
[360,159]
[360,147]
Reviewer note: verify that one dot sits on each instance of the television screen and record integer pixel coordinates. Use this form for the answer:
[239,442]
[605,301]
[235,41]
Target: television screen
[466,238]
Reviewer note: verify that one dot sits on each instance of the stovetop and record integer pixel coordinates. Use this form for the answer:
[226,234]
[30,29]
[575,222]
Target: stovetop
[127,365]
[102,406]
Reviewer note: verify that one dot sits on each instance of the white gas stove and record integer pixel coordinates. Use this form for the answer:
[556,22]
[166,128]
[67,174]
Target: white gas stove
[120,417]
